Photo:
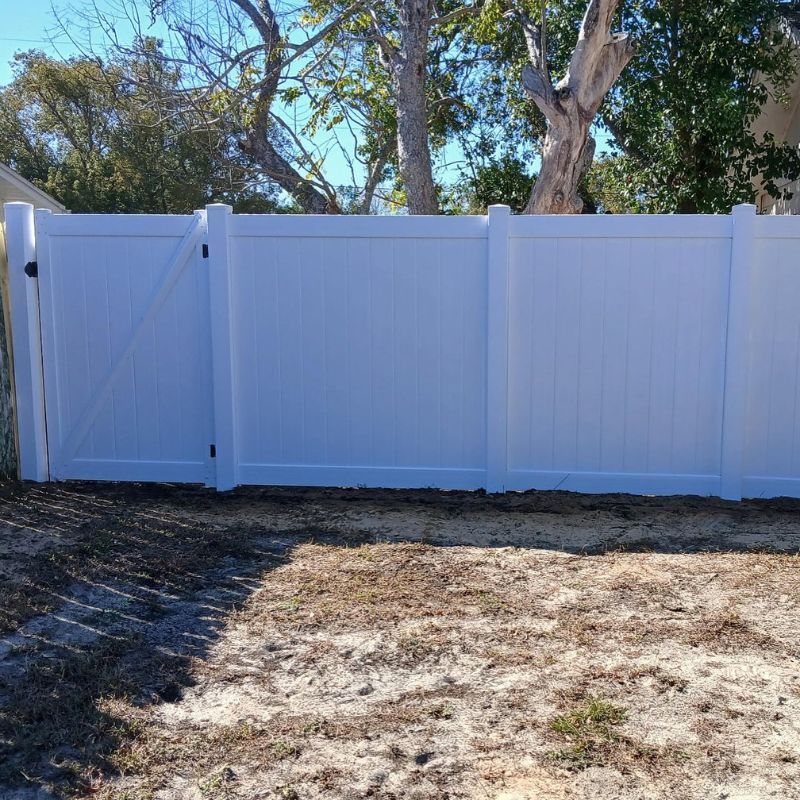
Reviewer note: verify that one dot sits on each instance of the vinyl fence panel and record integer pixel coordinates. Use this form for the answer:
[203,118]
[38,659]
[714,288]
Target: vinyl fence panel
[643,354]
[125,346]
[360,351]
[616,356]
[772,433]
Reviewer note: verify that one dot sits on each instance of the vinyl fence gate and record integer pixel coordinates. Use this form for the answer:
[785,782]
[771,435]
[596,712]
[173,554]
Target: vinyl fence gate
[642,354]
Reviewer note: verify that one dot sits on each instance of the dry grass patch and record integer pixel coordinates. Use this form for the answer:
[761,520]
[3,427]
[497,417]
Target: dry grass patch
[727,632]
[181,645]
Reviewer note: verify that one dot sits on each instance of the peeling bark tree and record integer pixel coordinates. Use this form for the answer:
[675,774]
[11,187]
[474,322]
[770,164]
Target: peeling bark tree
[571,105]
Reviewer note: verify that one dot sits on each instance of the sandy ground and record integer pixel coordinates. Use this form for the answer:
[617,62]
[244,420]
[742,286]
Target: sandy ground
[167,642]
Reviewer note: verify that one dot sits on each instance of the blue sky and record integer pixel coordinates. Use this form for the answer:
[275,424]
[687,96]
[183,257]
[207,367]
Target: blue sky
[25,26]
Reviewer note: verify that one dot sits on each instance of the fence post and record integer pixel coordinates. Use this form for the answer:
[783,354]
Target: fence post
[734,404]
[205,312]
[222,374]
[497,350]
[26,340]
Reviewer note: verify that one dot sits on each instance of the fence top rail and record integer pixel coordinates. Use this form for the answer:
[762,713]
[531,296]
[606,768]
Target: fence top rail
[603,226]
[319,226]
[94,225]
[627,226]
[777,226]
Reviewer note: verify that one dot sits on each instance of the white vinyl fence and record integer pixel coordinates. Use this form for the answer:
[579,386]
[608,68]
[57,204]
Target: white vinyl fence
[644,354]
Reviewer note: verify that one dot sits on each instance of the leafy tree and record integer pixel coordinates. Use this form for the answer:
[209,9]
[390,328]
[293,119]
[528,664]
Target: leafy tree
[683,113]
[505,180]
[608,188]
[233,60]
[404,61]
[104,137]
[240,94]
[299,84]
[553,64]
[349,89]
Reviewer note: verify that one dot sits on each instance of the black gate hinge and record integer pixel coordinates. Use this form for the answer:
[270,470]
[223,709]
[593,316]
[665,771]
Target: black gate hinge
[205,251]
[212,451]
[32,269]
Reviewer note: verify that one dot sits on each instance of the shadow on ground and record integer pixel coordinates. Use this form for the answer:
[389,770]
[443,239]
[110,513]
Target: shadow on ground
[113,592]
[105,595]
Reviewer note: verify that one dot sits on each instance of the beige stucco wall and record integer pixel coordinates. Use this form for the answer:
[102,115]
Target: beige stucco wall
[782,120]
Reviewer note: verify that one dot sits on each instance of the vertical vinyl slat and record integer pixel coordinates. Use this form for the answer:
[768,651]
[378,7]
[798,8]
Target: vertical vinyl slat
[497,350]
[734,398]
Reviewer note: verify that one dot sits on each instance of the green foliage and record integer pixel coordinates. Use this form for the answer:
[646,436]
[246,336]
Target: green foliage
[683,111]
[608,188]
[590,730]
[110,137]
[506,181]
[352,87]
[118,135]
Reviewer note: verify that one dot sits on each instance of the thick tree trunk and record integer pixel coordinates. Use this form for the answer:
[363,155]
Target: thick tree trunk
[305,194]
[407,66]
[413,151]
[566,155]
[571,105]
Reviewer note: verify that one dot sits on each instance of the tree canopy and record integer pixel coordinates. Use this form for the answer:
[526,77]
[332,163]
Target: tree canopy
[339,106]
[680,116]
[107,136]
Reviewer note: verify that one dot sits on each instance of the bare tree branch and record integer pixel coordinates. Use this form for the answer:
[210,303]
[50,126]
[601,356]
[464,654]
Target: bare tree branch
[457,14]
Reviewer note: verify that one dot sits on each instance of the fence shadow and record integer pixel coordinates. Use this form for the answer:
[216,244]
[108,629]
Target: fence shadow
[109,595]
[551,520]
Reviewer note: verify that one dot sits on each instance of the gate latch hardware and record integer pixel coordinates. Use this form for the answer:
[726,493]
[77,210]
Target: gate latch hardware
[32,269]
[205,251]
[212,451]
